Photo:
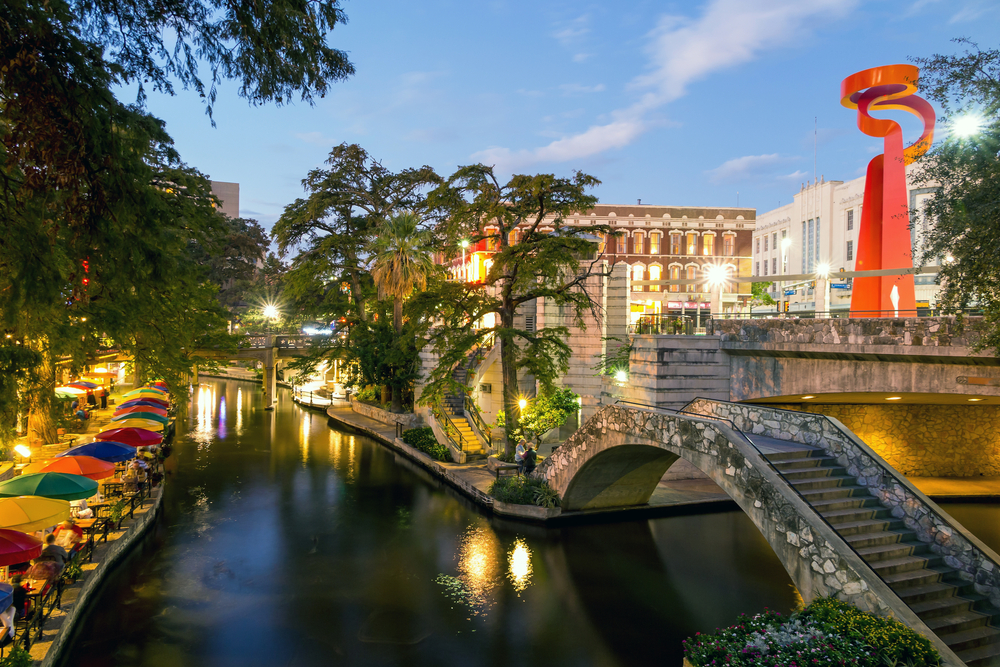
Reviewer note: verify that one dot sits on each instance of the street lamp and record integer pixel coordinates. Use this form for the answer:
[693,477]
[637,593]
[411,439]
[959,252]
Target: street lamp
[270,314]
[717,276]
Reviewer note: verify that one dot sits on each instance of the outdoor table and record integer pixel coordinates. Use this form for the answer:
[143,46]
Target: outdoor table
[84,524]
[112,489]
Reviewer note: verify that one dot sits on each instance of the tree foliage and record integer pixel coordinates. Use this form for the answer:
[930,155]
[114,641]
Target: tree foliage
[542,414]
[550,259]
[966,208]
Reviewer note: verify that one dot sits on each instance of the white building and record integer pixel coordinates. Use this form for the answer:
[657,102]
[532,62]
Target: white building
[822,223]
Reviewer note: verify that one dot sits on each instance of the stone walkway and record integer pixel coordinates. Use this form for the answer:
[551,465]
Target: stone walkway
[958,488]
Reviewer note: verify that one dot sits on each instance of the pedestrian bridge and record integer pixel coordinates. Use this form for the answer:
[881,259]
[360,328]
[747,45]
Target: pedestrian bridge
[840,519]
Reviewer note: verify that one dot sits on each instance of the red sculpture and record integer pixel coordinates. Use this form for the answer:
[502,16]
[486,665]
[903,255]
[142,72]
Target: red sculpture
[884,233]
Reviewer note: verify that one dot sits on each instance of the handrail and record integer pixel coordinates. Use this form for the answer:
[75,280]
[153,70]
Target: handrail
[778,472]
[477,419]
[448,426]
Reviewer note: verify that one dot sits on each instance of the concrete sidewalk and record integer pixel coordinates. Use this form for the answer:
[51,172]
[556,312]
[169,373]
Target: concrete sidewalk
[955,488]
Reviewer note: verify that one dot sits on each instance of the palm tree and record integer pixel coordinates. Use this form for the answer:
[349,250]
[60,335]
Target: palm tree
[401,264]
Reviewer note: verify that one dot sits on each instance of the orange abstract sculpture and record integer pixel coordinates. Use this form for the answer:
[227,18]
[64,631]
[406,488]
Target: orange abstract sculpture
[884,233]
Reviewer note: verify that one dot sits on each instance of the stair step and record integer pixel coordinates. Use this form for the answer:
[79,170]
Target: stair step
[812,473]
[856,502]
[942,606]
[902,576]
[849,529]
[793,454]
[963,620]
[981,656]
[836,492]
[876,538]
[971,638]
[880,552]
[837,517]
[798,464]
[925,592]
[824,482]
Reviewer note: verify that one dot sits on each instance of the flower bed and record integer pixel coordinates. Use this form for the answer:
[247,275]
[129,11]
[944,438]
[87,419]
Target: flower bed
[828,632]
[522,490]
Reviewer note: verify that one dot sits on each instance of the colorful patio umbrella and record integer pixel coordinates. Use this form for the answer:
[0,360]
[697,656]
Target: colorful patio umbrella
[135,437]
[100,449]
[6,595]
[139,402]
[145,391]
[147,424]
[149,407]
[84,383]
[90,386]
[163,419]
[138,409]
[31,513]
[16,547]
[86,466]
[76,391]
[58,485]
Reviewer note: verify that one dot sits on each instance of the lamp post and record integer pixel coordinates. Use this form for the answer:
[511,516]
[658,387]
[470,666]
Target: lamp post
[716,275]
[785,244]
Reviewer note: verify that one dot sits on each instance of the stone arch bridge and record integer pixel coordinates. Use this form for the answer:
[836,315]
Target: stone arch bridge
[841,520]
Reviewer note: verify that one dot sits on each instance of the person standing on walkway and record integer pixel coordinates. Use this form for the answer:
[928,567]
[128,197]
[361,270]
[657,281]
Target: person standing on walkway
[519,456]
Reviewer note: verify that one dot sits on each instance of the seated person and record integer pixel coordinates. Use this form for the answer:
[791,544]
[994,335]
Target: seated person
[44,571]
[82,415]
[53,552]
[68,536]
[529,458]
[20,596]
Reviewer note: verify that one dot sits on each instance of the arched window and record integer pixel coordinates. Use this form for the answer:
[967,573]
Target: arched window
[708,244]
[675,274]
[692,274]
[620,243]
[637,271]
[638,243]
[654,274]
[729,244]
[675,243]
[654,243]
[692,243]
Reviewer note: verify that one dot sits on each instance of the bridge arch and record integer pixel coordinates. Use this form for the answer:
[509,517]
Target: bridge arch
[620,454]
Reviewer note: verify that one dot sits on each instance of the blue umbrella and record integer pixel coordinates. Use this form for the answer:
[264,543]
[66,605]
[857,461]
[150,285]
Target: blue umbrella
[89,385]
[132,404]
[6,595]
[105,450]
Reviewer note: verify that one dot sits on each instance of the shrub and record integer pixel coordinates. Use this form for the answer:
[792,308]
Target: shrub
[423,440]
[828,632]
[370,394]
[524,491]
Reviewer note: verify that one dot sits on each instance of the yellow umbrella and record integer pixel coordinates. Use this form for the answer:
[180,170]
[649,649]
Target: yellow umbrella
[30,513]
[147,424]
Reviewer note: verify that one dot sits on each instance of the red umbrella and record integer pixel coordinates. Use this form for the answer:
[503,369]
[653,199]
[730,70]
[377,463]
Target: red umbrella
[87,466]
[135,437]
[17,547]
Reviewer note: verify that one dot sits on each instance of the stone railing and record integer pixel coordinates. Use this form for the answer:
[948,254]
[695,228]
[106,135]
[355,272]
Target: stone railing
[975,562]
[906,332]
[407,419]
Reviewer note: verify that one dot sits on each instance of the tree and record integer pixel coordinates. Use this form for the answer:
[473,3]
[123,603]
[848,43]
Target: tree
[965,235]
[759,295]
[401,263]
[543,413]
[236,259]
[551,259]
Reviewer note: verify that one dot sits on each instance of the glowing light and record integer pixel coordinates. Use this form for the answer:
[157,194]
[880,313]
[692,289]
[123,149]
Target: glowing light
[522,403]
[271,311]
[974,400]
[621,377]
[465,243]
[716,275]
[968,125]
[519,562]
[786,242]
[478,564]
[806,398]
[949,259]
[823,270]
[23,451]
[894,398]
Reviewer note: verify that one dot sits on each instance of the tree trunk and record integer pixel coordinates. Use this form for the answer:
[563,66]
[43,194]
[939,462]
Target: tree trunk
[40,424]
[508,364]
[359,302]
[397,323]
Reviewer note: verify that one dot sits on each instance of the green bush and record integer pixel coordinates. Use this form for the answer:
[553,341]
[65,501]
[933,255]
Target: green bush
[522,490]
[370,394]
[423,439]
[826,633]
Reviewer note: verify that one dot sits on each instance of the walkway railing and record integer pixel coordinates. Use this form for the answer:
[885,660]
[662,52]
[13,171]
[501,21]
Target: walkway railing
[450,429]
[311,398]
[675,325]
[843,313]
[472,411]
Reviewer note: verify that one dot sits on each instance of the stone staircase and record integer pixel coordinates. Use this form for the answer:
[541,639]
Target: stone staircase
[474,447]
[948,605]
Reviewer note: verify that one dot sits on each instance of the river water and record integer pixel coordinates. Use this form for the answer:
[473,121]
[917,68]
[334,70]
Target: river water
[284,541]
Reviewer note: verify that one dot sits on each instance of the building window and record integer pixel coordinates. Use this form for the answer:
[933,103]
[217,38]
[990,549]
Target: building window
[774,266]
[756,270]
[639,243]
[637,271]
[765,242]
[708,244]
[850,251]
[803,246]
[774,240]
[654,243]
[765,267]
[850,220]
[729,245]
[817,243]
[675,274]
[691,275]
[757,251]
[692,243]
[620,244]
[675,244]
[810,244]
[654,274]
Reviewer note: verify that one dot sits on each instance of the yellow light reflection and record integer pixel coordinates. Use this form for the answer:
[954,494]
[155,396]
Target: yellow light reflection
[350,458]
[479,564]
[519,562]
[304,437]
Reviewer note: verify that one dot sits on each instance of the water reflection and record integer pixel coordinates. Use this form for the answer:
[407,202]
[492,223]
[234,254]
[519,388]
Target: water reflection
[239,411]
[519,563]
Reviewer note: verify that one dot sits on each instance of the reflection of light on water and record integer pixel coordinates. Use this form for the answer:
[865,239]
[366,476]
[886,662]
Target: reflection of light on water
[350,458]
[334,441]
[222,416]
[478,567]
[519,561]
[239,412]
[304,437]
[203,419]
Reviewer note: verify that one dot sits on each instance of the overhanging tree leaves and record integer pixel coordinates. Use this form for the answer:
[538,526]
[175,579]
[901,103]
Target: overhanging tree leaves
[551,259]
[965,235]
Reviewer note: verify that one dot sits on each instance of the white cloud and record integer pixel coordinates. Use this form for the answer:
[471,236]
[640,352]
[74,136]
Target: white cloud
[748,166]
[796,175]
[571,33]
[315,138]
[577,89]
[684,50]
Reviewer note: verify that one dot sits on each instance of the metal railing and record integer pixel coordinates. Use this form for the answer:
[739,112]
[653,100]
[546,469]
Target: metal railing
[311,398]
[845,313]
[450,429]
[674,325]
[472,410]
[256,341]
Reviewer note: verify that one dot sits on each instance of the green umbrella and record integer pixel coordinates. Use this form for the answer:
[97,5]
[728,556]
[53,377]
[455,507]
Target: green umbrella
[141,415]
[58,485]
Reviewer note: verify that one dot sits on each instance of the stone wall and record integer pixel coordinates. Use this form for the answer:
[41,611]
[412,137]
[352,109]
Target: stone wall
[817,559]
[407,419]
[925,440]
[960,549]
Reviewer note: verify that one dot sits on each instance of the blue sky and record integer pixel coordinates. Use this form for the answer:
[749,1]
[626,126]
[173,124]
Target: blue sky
[676,103]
